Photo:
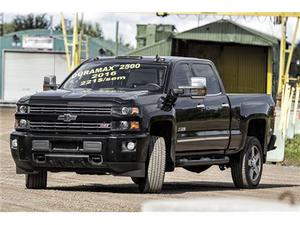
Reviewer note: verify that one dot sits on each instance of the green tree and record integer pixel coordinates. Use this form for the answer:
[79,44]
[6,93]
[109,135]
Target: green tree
[30,21]
[8,28]
[91,29]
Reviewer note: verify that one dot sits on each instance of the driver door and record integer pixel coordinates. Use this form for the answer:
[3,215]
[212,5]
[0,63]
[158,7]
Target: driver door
[190,114]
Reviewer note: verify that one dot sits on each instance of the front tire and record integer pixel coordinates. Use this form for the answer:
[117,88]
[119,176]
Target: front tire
[247,165]
[36,181]
[155,173]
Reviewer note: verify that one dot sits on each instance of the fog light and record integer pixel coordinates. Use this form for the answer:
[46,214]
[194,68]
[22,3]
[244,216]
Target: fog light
[130,145]
[22,123]
[14,143]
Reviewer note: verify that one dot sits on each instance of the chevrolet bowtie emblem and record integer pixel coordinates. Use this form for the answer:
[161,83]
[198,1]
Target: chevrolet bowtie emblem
[67,117]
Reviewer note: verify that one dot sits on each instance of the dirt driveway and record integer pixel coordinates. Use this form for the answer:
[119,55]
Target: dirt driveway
[71,192]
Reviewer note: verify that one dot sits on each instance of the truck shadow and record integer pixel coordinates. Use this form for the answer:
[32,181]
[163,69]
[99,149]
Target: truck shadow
[168,188]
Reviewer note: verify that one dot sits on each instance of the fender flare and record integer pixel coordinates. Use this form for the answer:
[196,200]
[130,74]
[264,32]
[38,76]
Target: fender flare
[245,128]
[170,165]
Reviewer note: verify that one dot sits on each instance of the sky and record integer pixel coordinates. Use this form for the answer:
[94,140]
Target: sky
[128,21]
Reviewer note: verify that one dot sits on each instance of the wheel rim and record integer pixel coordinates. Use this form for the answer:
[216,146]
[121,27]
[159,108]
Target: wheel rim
[254,163]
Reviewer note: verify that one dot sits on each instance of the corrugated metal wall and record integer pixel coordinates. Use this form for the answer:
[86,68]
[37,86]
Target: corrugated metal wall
[243,68]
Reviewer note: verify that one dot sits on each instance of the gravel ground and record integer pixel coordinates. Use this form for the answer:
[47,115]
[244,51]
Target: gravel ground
[71,192]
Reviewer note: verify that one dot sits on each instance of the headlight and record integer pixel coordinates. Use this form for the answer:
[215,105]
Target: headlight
[126,111]
[14,143]
[125,125]
[22,109]
[21,124]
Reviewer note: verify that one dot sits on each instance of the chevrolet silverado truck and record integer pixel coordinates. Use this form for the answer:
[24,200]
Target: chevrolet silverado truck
[141,117]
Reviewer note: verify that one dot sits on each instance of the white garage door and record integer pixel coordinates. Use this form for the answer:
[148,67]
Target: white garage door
[24,72]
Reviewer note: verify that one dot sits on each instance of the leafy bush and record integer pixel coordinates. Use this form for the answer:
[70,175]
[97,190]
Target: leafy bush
[292,151]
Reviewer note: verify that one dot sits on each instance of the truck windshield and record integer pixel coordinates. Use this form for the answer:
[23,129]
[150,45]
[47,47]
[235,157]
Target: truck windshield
[135,76]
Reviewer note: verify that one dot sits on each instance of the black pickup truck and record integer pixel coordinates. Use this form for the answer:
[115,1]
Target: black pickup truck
[141,117]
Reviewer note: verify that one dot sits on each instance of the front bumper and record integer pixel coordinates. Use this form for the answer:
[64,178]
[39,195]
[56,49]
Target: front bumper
[110,159]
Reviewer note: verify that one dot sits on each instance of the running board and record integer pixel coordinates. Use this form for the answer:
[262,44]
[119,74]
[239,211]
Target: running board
[204,161]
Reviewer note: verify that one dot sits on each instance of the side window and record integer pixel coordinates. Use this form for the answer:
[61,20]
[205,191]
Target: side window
[212,82]
[183,74]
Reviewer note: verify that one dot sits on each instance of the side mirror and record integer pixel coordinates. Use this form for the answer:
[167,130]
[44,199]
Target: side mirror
[49,83]
[198,86]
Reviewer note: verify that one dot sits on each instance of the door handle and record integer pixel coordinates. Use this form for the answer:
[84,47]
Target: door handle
[225,105]
[200,106]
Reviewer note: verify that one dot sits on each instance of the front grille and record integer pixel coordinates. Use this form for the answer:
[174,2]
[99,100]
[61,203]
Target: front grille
[70,127]
[70,118]
[103,110]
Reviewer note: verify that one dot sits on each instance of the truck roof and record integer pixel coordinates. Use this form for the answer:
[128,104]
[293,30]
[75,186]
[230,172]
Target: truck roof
[167,59]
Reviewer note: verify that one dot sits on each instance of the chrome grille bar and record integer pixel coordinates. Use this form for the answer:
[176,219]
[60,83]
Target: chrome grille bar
[103,110]
[61,126]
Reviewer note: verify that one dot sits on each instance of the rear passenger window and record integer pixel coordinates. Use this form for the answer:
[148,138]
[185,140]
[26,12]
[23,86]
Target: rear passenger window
[212,82]
[183,74]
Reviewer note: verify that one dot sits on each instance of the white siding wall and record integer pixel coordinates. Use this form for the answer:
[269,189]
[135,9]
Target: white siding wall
[24,72]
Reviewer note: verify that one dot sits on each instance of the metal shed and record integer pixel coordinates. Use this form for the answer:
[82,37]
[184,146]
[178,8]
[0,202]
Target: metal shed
[247,59]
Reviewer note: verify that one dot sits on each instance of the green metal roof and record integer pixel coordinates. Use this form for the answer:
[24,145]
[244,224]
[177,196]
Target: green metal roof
[230,32]
[224,31]
[34,32]
[161,48]
[94,45]
[109,45]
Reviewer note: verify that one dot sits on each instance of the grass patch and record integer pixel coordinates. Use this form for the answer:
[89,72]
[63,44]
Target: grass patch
[292,152]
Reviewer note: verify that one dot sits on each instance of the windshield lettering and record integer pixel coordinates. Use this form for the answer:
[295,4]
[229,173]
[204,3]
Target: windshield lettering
[123,75]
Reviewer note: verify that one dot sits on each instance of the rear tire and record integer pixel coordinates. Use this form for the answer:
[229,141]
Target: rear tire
[36,181]
[247,165]
[155,169]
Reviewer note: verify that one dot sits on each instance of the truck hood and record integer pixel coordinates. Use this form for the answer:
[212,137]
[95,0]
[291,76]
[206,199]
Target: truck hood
[90,95]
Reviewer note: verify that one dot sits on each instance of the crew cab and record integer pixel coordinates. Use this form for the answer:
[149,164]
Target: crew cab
[141,117]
